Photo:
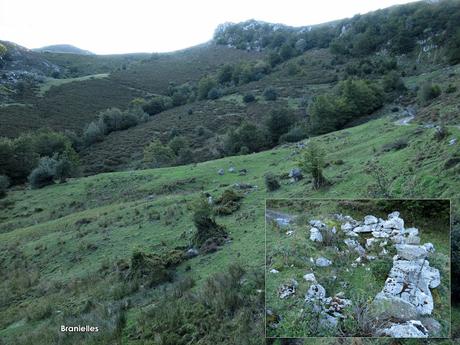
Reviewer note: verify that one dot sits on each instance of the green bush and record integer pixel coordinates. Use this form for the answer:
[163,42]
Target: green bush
[295,134]
[392,82]
[207,230]
[214,93]
[270,94]
[278,123]
[428,92]
[271,182]
[225,73]
[94,133]
[204,87]
[157,104]
[157,155]
[247,136]
[351,99]
[4,184]
[248,98]
[43,175]
[178,143]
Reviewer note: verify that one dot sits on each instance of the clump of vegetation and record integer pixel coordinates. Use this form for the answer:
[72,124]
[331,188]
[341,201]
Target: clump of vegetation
[43,174]
[295,134]
[246,138]
[397,145]
[392,82]
[271,182]
[270,94]
[158,155]
[351,99]
[228,203]
[208,235]
[428,92]
[312,162]
[205,85]
[4,184]
[153,269]
[249,98]
[278,123]
[157,104]
[380,187]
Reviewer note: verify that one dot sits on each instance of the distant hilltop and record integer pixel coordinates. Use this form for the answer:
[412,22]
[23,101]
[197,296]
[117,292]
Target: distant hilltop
[64,49]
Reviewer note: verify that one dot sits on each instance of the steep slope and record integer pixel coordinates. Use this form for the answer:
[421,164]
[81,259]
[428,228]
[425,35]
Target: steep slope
[87,226]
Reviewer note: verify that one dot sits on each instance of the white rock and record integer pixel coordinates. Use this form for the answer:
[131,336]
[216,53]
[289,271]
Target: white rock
[317,224]
[274,271]
[363,229]
[368,220]
[411,231]
[411,251]
[323,262]
[394,214]
[347,226]
[315,235]
[380,234]
[370,242]
[290,232]
[409,329]
[309,277]
[429,247]
[315,292]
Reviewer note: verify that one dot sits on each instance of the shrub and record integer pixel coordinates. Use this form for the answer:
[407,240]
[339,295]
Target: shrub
[204,87]
[17,158]
[225,74]
[392,82]
[185,156]
[228,202]
[279,123]
[428,92]
[207,230]
[157,155]
[312,162]
[270,94]
[246,135]
[271,182]
[43,175]
[157,104]
[248,98]
[399,144]
[93,133]
[295,134]
[214,93]
[178,143]
[4,184]
[64,169]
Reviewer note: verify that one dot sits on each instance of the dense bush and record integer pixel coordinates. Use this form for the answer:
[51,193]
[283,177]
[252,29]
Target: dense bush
[93,133]
[4,184]
[18,157]
[295,134]
[157,104]
[278,123]
[225,74]
[207,230]
[157,155]
[248,98]
[270,94]
[205,85]
[351,99]
[178,143]
[428,92]
[44,173]
[214,93]
[247,136]
[392,82]
[271,182]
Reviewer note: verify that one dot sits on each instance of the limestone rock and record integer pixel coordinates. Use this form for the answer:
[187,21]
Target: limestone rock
[317,224]
[309,277]
[315,292]
[296,174]
[315,235]
[221,172]
[368,220]
[409,329]
[411,252]
[363,229]
[288,289]
[323,262]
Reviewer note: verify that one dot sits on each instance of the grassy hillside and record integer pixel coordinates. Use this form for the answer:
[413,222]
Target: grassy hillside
[71,245]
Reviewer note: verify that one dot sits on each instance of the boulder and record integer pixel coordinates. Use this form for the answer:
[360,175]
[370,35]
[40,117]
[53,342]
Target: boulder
[274,271]
[429,247]
[192,252]
[433,326]
[323,262]
[394,214]
[315,292]
[387,307]
[317,224]
[369,220]
[315,235]
[411,251]
[363,229]
[309,277]
[354,245]
[232,169]
[394,223]
[380,234]
[409,329]
[221,172]
[347,227]
[296,174]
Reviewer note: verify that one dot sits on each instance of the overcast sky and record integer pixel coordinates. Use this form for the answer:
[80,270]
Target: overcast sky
[113,26]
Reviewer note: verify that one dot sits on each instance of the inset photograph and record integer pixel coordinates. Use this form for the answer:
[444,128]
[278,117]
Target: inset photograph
[358,268]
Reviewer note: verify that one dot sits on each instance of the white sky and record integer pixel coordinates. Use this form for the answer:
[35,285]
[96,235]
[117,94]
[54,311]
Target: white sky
[114,26]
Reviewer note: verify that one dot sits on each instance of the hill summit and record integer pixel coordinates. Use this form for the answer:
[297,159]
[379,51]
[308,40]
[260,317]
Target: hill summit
[63,49]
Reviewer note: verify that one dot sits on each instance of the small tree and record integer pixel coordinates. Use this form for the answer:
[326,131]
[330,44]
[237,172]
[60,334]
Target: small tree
[178,143]
[312,162]
[248,98]
[270,94]
[93,133]
[204,87]
[278,123]
[428,92]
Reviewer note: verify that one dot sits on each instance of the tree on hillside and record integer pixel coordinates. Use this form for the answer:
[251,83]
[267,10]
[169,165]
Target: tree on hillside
[204,86]
[157,155]
[278,123]
[312,162]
